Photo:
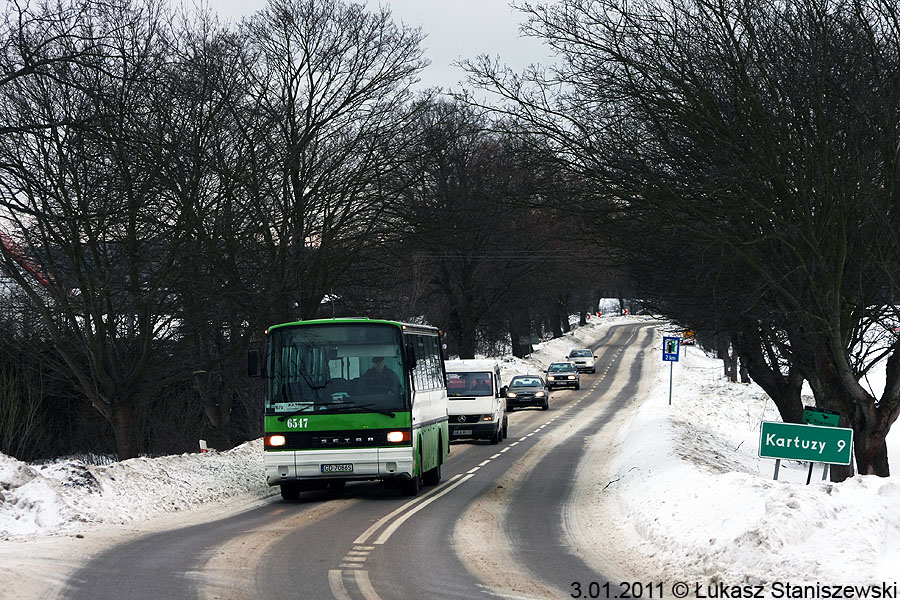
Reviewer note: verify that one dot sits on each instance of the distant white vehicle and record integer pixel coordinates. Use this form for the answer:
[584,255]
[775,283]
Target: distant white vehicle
[583,358]
[477,400]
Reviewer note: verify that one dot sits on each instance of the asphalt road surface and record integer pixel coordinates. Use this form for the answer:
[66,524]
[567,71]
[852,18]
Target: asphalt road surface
[495,527]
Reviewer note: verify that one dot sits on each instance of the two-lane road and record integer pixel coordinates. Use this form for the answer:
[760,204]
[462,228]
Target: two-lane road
[494,527]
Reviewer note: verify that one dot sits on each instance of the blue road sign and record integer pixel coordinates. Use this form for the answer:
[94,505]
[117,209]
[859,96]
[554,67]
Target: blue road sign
[671,345]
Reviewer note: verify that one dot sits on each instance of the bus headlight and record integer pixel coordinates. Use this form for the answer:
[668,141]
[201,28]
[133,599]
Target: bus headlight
[396,437]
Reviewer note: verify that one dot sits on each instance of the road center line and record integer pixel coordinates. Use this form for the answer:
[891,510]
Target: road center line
[377,525]
[336,583]
[389,531]
[365,585]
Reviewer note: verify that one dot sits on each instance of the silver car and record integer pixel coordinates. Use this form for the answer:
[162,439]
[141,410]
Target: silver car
[583,359]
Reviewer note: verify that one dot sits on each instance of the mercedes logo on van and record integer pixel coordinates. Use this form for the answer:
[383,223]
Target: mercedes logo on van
[462,418]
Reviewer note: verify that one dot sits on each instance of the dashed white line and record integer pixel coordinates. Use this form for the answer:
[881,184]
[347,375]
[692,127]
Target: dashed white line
[355,559]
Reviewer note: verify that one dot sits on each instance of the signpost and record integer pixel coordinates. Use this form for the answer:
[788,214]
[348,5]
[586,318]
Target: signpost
[815,443]
[670,355]
[820,416]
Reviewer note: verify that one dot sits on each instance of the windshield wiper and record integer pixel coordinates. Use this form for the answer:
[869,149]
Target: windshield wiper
[301,411]
[360,408]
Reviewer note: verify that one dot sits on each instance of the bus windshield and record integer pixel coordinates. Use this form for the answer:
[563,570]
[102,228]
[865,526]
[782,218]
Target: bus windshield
[346,367]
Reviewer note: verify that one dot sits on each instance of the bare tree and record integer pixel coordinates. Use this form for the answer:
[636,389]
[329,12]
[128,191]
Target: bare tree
[329,84]
[471,223]
[93,233]
[198,145]
[767,133]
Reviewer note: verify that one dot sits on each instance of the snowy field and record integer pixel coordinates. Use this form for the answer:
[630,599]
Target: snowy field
[690,495]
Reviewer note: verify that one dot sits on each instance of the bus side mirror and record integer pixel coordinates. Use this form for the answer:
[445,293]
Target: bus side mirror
[254,364]
[410,358]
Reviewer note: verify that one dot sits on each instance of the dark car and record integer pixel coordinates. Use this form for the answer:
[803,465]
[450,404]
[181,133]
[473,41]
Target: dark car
[527,390]
[563,374]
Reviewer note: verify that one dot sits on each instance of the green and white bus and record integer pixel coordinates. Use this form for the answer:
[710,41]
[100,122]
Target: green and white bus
[353,399]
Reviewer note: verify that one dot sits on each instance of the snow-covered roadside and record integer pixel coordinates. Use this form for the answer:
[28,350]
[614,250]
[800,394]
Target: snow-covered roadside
[66,495]
[691,497]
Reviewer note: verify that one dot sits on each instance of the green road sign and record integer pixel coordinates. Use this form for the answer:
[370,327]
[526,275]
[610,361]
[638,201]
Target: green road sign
[805,442]
[820,416]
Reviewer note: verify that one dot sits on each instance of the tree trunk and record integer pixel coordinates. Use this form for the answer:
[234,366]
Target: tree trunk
[744,373]
[521,344]
[555,326]
[858,410]
[466,342]
[729,358]
[784,390]
[123,427]
[216,396]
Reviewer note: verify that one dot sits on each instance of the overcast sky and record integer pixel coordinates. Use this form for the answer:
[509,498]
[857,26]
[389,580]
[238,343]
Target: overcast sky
[455,29]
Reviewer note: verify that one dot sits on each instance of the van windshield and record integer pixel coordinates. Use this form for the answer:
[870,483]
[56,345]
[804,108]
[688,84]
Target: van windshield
[469,384]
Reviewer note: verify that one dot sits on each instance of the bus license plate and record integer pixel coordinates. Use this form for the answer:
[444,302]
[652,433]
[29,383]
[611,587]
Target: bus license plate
[344,468]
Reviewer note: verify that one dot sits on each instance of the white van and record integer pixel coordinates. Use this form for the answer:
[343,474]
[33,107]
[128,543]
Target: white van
[477,400]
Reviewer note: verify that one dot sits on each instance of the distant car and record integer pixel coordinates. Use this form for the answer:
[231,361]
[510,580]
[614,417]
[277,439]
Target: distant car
[527,390]
[563,374]
[583,359]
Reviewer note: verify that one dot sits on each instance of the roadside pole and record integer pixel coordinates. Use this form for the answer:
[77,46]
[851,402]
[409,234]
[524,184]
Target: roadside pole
[671,370]
[813,415]
[671,345]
